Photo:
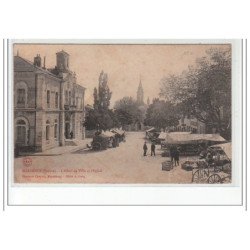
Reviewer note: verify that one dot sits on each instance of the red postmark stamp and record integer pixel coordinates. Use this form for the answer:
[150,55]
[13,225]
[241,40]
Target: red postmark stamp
[27,161]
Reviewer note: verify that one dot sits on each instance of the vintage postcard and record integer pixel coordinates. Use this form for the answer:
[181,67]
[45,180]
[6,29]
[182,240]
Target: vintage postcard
[122,113]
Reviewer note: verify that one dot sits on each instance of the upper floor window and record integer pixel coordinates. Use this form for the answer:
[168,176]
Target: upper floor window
[56,100]
[69,97]
[21,92]
[77,101]
[66,97]
[48,98]
[21,96]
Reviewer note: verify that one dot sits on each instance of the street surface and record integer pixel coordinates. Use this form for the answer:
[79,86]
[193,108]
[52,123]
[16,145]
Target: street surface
[121,165]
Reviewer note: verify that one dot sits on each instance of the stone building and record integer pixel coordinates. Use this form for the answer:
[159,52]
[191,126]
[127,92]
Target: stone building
[48,104]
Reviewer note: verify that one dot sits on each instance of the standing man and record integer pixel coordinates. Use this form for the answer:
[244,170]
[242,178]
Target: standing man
[145,148]
[176,157]
[152,149]
[172,153]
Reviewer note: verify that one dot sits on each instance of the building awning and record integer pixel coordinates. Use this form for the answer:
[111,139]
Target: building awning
[181,138]
[162,136]
[181,133]
[226,147]
[151,130]
[118,131]
[107,134]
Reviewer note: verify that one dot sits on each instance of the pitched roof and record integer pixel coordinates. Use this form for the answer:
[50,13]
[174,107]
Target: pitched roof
[34,67]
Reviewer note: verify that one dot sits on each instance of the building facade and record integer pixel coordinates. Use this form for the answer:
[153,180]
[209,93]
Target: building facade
[48,104]
[190,124]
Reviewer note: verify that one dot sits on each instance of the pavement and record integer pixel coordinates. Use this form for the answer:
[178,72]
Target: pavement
[81,144]
[121,165]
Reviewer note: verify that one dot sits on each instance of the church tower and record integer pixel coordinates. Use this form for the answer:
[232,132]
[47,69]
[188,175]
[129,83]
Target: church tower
[140,95]
[62,61]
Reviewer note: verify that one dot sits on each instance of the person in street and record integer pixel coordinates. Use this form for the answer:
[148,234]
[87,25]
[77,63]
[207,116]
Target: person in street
[71,135]
[113,142]
[172,152]
[202,152]
[176,157]
[152,149]
[145,149]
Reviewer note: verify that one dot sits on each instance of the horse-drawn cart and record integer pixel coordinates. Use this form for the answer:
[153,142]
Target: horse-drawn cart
[218,170]
[103,140]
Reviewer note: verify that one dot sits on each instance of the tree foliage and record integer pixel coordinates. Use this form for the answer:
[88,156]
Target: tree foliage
[204,91]
[127,111]
[161,114]
[101,117]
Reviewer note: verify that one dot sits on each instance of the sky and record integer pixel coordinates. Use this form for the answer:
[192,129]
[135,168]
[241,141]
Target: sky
[124,64]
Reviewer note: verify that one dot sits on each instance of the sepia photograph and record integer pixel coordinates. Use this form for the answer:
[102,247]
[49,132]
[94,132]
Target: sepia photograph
[124,125]
[122,113]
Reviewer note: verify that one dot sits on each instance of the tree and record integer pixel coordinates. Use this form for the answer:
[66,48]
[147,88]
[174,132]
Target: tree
[204,91]
[161,114]
[91,119]
[127,111]
[101,117]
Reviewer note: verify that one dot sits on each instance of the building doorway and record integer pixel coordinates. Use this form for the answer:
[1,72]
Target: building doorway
[21,132]
[67,130]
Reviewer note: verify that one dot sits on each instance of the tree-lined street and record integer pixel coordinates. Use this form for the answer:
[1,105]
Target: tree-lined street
[195,100]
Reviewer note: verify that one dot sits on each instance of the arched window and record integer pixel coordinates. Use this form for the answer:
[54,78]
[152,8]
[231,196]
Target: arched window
[55,130]
[21,129]
[21,93]
[66,97]
[47,130]
[69,97]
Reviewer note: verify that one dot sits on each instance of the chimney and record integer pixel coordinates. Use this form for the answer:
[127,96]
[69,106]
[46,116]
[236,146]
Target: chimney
[37,61]
[44,60]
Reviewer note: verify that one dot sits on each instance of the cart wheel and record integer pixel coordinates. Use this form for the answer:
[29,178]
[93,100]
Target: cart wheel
[214,178]
[196,178]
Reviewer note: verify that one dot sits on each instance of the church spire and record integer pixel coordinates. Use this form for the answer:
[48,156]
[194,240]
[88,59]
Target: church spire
[140,94]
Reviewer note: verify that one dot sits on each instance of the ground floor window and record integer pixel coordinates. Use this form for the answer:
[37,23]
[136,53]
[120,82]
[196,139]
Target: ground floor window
[55,130]
[47,130]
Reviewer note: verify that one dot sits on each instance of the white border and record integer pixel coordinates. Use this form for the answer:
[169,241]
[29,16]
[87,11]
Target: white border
[177,194]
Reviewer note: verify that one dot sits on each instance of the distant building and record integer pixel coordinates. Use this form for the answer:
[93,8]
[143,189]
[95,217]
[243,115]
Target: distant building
[140,94]
[48,104]
[139,123]
[190,124]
